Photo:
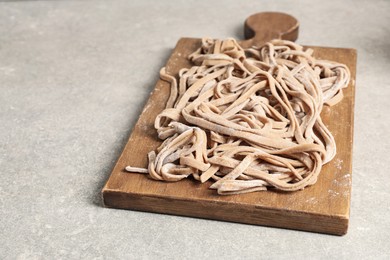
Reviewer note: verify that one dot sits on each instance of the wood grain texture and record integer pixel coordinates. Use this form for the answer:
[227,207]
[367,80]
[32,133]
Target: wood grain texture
[262,27]
[323,207]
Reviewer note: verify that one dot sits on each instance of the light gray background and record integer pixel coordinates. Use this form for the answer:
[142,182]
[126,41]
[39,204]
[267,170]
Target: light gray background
[74,76]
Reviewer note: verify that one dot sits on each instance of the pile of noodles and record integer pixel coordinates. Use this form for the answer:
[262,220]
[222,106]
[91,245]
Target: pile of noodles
[248,119]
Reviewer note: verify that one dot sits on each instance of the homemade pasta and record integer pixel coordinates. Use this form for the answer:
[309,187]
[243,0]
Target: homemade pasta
[247,119]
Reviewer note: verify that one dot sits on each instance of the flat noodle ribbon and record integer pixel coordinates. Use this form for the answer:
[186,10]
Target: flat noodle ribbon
[248,119]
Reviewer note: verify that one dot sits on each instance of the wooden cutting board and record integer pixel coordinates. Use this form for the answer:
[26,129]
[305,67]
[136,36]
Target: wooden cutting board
[323,207]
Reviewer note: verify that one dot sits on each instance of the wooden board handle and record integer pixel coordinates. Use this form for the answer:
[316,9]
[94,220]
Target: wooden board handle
[262,27]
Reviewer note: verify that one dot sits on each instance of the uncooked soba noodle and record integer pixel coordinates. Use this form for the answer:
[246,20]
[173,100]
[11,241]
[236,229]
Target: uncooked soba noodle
[247,119]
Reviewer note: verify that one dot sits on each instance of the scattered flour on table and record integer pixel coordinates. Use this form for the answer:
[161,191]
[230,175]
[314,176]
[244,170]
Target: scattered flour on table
[312,200]
[333,193]
[338,163]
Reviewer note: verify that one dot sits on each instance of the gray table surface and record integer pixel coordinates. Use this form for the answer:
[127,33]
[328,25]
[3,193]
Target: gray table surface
[74,76]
